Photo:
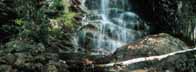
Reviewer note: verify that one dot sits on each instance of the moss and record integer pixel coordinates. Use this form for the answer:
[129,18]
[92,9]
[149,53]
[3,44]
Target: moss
[20,22]
[66,17]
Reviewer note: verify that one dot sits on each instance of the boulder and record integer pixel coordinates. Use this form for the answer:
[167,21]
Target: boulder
[151,45]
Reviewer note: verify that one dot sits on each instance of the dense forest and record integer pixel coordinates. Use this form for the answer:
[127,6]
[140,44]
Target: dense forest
[97,36]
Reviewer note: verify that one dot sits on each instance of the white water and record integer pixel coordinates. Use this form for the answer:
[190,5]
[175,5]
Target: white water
[110,25]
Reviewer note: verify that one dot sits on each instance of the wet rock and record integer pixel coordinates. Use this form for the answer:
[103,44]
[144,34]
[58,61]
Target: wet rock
[18,46]
[176,17]
[9,59]
[40,59]
[179,63]
[6,68]
[51,56]
[156,45]
[38,49]
[62,66]
[51,67]
[39,67]
[2,61]
[150,45]
[22,59]
[75,6]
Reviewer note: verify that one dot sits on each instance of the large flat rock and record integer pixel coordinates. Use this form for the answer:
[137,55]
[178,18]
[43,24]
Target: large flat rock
[154,45]
[150,45]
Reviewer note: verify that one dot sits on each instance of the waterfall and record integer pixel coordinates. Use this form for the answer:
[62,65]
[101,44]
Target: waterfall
[108,25]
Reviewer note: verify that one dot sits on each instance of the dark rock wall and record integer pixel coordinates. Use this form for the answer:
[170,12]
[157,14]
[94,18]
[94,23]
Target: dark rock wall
[176,17]
[7,16]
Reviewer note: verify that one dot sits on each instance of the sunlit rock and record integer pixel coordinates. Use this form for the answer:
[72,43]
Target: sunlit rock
[150,45]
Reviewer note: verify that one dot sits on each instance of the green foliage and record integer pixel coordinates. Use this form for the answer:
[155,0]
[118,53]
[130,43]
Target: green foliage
[56,4]
[61,25]
[18,46]
[59,5]
[33,23]
[32,19]
[65,18]
[20,22]
[68,20]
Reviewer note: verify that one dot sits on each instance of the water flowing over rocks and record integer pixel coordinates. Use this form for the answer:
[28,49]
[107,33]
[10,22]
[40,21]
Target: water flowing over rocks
[108,25]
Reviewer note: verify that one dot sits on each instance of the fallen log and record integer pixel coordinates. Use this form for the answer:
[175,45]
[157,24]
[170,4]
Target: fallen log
[142,59]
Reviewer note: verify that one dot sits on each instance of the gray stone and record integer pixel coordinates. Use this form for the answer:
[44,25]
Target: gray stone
[150,45]
[6,68]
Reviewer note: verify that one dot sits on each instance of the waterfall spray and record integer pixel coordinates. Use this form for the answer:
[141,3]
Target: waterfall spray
[110,24]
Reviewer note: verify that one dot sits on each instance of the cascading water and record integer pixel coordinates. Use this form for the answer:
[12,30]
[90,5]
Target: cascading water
[108,25]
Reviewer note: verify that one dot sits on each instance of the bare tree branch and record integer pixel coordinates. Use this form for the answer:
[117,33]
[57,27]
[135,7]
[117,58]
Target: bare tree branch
[142,59]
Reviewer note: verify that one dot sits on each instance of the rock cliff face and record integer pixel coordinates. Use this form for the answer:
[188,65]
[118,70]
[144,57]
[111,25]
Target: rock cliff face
[176,17]
[7,15]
